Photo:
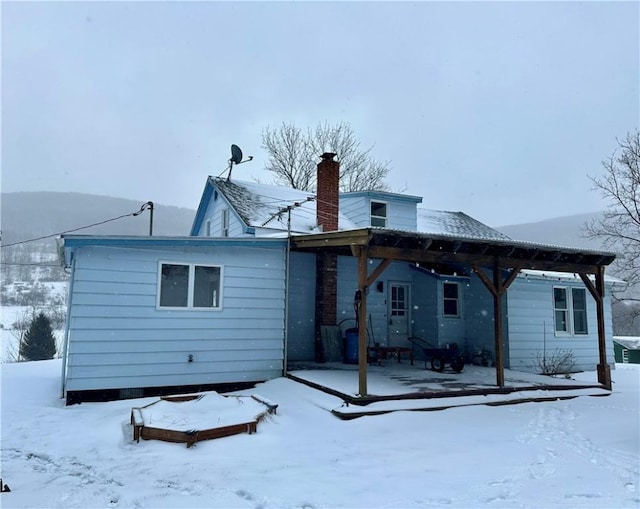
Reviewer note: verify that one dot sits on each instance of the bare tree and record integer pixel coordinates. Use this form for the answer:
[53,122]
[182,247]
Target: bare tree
[293,154]
[619,225]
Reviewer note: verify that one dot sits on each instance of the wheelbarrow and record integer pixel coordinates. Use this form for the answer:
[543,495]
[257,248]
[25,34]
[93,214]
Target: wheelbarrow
[439,357]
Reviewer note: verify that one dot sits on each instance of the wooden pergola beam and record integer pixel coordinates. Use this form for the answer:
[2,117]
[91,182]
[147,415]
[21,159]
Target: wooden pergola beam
[426,257]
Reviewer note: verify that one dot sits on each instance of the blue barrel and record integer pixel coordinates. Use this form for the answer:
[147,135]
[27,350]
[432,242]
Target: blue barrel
[351,346]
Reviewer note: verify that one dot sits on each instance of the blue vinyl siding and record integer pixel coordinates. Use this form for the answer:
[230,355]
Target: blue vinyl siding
[452,329]
[213,214]
[471,330]
[356,209]
[531,325]
[479,317]
[401,213]
[302,299]
[402,216]
[119,339]
[425,305]
[377,311]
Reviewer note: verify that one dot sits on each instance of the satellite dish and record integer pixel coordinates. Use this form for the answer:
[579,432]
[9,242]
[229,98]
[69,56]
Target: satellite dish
[236,158]
[236,155]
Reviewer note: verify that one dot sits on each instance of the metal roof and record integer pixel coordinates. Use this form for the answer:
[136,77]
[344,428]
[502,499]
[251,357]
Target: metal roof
[443,222]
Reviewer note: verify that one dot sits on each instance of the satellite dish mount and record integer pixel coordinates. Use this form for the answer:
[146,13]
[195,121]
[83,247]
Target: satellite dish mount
[236,158]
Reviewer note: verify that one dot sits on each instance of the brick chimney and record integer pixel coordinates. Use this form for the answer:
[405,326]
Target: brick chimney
[326,264]
[328,183]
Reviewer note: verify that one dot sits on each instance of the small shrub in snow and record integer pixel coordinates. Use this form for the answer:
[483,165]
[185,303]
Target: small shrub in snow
[558,362]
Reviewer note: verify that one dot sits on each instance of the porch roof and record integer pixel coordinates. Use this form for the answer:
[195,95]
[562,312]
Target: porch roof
[436,249]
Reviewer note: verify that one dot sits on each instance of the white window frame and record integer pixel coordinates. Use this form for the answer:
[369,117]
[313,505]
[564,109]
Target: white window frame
[569,312]
[586,312]
[224,221]
[207,228]
[190,287]
[457,299]
[384,218]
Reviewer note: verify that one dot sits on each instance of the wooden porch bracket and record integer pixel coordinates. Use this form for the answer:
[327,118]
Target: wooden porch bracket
[377,271]
[498,288]
[597,291]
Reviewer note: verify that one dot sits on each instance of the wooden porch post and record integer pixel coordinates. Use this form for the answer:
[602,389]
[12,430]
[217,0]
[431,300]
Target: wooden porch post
[362,322]
[497,317]
[497,287]
[604,372]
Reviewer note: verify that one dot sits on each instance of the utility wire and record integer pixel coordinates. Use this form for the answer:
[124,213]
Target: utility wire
[35,264]
[137,212]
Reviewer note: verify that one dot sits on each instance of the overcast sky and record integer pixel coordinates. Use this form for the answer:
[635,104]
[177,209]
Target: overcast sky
[498,109]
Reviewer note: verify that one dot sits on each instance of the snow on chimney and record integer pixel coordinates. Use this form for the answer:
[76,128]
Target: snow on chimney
[328,183]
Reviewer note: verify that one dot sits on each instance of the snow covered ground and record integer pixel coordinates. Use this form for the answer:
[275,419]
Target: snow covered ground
[582,453]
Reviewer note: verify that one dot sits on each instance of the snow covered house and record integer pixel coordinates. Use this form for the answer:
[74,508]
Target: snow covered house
[626,349]
[267,272]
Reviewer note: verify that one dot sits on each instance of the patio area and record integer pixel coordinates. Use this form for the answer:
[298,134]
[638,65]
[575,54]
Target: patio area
[395,386]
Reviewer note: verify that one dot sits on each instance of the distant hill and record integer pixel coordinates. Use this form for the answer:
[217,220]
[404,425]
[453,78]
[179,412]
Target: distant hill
[566,231]
[27,215]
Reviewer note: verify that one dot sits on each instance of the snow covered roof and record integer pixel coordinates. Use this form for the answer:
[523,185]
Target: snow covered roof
[558,276]
[459,224]
[629,342]
[261,205]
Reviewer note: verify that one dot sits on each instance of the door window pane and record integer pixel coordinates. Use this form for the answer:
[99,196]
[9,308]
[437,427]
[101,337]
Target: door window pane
[398,301]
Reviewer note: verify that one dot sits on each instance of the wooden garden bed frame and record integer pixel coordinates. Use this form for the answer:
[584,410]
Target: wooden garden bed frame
[140,430]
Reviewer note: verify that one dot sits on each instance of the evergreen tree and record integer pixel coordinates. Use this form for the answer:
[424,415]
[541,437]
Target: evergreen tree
[39,343]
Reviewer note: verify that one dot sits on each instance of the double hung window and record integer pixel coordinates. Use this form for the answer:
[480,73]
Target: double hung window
[379,214]
[570,311]
[225,223]
[451,303]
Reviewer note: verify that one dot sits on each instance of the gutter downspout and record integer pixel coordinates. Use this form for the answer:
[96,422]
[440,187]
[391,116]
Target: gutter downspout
[67,326]
[286,295]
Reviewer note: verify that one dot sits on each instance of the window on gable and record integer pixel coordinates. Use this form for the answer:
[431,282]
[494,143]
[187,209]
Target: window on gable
[225,222]
[451,301]
[570,311]
[378,214]
[190,286]
[208,228]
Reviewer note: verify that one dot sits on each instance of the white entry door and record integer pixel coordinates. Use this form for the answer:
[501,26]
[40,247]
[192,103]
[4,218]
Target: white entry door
[399,307]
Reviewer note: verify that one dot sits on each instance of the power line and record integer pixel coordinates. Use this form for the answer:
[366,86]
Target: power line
[35,264]
[137,212]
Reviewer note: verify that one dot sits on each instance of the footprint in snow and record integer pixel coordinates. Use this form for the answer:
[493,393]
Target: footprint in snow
[244,494]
